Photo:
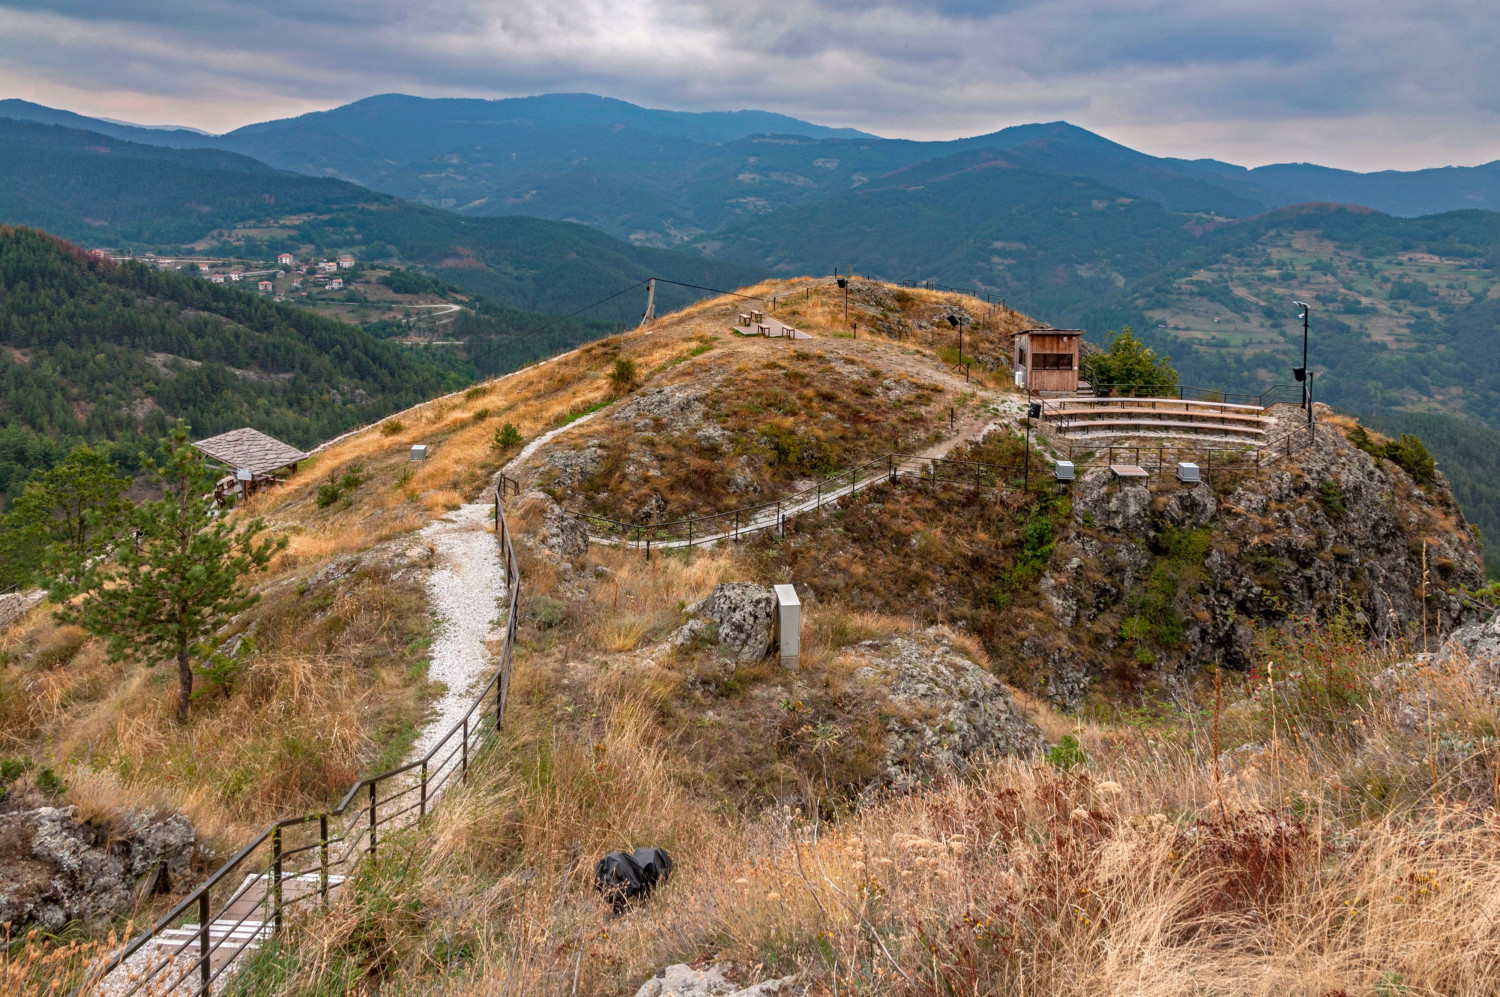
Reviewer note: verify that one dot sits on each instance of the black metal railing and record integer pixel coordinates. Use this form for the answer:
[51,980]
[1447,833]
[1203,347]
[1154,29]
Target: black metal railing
[772,516]
[1184,392]
[302,859]
[747,520]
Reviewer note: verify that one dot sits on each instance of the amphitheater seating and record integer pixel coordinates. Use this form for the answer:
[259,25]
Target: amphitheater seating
[1078,417]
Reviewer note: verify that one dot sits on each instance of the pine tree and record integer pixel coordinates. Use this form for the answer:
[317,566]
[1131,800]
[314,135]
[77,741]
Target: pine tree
[76,506]
[176,576]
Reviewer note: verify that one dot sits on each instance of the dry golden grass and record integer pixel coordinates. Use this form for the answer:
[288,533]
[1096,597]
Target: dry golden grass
[1141,872]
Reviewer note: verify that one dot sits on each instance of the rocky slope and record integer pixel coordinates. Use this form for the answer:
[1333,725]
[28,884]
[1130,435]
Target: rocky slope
[1157,578]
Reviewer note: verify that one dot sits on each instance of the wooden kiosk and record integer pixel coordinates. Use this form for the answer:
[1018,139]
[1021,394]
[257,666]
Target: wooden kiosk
[1047,359]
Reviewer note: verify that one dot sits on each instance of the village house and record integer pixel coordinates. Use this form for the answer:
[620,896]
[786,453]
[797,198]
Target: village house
[346,262]
[285,260]
[235,275]
[337,284]
[216,278]
[265,287]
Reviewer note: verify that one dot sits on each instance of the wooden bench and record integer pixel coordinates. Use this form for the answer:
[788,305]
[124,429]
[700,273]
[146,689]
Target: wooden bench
[1186,403]
[1118,427]
[1090,413]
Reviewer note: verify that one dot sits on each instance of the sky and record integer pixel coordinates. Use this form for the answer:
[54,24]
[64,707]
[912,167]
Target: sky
[1357,84]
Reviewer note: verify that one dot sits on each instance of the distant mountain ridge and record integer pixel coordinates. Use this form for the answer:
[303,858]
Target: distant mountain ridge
[658,176]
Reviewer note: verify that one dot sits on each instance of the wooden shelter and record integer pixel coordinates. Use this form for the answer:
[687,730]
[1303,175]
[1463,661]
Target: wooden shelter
[253,458]
[1048,359]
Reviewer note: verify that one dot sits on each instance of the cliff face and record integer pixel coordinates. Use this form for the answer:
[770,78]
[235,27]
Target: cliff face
[1156,578]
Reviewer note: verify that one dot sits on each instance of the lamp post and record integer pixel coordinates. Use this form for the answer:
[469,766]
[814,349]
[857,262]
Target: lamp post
[1300,373]
[844,284]
[958,323]
[1033,411]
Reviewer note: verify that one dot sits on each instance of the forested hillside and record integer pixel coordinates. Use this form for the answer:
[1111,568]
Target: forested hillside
[107,192]
[94,350]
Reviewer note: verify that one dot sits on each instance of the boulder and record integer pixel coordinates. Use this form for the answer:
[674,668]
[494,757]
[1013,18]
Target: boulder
[1476,648]
[953,712]
[55,869]
[744,612]
[683,980]
[1123,506]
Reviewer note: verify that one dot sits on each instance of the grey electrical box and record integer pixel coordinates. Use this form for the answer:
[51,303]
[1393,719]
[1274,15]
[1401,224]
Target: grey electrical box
[1187,473]
[419,452]
[1063,470]
[788,628]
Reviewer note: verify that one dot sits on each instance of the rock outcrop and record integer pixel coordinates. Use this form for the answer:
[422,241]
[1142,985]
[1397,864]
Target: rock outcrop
[1151,578]
[683,980]
[55,869]
[949,712]
[743,613]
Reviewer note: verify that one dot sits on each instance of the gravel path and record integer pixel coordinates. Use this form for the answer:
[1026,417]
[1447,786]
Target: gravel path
[466,589]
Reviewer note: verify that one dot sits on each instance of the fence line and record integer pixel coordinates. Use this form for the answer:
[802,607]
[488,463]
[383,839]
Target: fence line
[892,467]
[324,847]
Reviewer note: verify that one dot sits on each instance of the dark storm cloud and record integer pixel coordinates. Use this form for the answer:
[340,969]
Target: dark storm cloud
[1271,80]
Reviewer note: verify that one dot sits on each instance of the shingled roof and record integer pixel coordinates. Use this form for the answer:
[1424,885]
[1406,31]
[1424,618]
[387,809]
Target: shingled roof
[250,449]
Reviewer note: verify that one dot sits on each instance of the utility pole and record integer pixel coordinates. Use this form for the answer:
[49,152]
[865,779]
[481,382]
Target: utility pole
[650,314]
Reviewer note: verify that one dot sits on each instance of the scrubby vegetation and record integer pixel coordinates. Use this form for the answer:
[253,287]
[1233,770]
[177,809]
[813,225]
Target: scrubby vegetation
[1293,834]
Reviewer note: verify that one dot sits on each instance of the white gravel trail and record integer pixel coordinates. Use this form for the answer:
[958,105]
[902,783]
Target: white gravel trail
[466,590]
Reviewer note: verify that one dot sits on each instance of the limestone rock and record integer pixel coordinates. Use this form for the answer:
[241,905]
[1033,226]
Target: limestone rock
[672,409]
[55,869]
[744,613]
[1477,648]
[683,980]
[1124,505]
[956,713]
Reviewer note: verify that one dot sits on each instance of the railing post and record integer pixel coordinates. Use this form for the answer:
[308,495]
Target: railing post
[372,820]
[690,532]
[323,856]
[464,775]
[422,798]
[205,968]
[276,875]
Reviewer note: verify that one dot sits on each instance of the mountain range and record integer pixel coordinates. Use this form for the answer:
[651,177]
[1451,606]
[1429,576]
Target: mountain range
[549,204]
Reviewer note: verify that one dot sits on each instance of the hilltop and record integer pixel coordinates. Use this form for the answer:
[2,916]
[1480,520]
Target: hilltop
[1037,732]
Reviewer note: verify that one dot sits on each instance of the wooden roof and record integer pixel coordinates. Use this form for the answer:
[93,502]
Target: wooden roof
[250,449]
[1050,332]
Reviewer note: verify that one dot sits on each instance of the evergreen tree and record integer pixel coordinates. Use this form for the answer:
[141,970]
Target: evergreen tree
[174,581]
[1131,367]
[77,505]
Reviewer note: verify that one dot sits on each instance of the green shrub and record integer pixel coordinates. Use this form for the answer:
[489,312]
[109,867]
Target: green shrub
[505,437]
[1332,498]
[1407,453]
[1066,754]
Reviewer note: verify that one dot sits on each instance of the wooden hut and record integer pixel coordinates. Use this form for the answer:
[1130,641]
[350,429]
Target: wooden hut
[253,458]
[1048,359]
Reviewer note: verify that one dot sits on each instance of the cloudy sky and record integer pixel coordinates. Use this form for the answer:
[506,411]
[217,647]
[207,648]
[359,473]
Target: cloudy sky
[1361,84]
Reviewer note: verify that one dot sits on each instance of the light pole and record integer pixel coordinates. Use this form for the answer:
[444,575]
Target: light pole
[1300,373]
[1032,411]
[958,323]
[844,284]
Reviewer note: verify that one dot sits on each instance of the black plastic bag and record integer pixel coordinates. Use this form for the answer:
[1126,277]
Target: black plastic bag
[624,877]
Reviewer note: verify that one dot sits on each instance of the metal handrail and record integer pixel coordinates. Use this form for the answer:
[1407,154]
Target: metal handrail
[361,805]
[747,520]
[1186,392]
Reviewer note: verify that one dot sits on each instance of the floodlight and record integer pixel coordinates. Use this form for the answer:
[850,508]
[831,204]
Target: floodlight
[1299,373]
[1036,410]
[953,320]
[843,282]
